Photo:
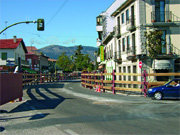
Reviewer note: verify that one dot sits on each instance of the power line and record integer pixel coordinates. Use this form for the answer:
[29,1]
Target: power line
[59,9]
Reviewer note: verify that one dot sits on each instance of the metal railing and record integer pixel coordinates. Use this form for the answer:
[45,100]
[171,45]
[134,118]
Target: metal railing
[174,50]
[131,50]
[164,16]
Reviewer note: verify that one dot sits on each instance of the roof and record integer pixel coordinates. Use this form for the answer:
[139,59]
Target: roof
[10,44]
[31,48]
[52,60]
[121,7]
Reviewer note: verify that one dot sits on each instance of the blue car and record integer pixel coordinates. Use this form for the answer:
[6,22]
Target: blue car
[169,90]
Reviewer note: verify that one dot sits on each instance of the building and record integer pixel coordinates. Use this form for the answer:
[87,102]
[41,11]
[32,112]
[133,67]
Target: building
[12,52]
[37,61]
[106,41]
[33,58]
[125,45]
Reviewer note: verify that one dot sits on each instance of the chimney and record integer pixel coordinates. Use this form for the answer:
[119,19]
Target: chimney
[15,39]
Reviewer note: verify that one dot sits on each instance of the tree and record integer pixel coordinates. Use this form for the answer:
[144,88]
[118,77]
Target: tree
[81,61]
[64,62]
[154,42]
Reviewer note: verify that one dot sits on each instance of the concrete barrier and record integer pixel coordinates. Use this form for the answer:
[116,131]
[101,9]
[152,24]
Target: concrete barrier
[10,87]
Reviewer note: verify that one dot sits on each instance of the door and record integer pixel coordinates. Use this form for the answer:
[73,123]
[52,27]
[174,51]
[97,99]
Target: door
[160,10]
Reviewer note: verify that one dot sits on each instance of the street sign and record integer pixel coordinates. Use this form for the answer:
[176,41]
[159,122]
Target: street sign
[10,63]
[140,64]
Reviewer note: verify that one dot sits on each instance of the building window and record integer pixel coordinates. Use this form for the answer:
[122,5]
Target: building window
[122,18]
[127,15]
[4,56]
[133,44]
[135,77]
[163,42]
[124,77]
[119,51]
[128,44]
[123,44]
[129,77]
[160,10]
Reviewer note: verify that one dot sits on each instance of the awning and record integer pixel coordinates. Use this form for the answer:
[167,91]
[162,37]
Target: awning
[162,64]
[100,67]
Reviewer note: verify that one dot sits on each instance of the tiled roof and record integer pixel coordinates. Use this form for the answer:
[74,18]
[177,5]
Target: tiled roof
[9,43]
[31,48]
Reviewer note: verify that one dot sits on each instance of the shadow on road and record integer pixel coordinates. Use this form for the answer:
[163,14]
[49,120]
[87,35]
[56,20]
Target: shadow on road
[41,98]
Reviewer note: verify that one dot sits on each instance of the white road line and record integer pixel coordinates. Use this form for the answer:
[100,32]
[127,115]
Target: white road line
[69,131]
[71,88]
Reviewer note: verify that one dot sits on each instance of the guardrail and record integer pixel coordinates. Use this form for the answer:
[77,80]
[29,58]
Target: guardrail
[100,81]
[34,79]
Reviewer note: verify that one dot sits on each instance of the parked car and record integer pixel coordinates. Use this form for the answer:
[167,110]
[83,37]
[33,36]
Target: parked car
[169,90]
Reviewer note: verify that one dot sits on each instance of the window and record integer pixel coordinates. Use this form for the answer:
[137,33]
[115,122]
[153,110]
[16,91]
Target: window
[123,44]
[135,77]
[133,44]
[4,56]
[163,42]
[122,18]
[128,44]
[118,25]
[127,15]
[119,51]
[159,10]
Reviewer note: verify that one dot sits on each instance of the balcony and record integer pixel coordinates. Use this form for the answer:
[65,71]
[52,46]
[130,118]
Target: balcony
[130,24]
[99,28]
[98,42]
[117,57]
[131,53]
[169,52]
[165,18]
[117,31]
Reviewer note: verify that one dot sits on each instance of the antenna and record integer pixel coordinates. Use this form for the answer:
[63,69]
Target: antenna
[5,32]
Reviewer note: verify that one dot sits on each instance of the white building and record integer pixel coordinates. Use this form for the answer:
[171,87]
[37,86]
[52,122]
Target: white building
[11,50]
[125,45]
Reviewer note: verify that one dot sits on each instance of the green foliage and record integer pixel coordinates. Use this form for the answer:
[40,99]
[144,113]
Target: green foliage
[64,62]
[154,42]
[77,62]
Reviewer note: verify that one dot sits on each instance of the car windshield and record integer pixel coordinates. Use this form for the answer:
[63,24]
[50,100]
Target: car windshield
[172,82]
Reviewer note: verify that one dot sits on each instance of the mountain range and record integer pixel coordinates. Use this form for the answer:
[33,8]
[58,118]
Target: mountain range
[54,51]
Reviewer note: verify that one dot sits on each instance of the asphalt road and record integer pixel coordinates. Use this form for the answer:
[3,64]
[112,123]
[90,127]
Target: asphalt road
[68,109]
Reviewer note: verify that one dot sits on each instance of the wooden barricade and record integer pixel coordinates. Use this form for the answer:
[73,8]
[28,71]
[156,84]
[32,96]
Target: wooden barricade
[96,79]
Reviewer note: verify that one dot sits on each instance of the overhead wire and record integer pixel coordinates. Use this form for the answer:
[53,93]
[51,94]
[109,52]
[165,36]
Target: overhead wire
[56,13]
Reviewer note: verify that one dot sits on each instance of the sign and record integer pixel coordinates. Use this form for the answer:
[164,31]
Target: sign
[140,64]
[10,63]
[102,53]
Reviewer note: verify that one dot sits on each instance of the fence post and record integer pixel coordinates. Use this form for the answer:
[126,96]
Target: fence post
[113,82]
[102,79]
[145,83]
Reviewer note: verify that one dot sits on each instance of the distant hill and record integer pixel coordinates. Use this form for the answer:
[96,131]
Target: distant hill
[54,51]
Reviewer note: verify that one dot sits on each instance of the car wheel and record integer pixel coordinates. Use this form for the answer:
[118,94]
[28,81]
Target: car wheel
[158,96]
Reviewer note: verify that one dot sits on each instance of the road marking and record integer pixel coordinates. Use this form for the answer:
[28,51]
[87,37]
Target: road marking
[71,88]
[69,131]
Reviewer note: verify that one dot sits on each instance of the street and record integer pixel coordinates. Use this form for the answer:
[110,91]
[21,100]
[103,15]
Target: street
[66,108]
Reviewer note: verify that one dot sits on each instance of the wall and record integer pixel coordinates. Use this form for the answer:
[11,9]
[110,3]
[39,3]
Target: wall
[10,55]
[10,92]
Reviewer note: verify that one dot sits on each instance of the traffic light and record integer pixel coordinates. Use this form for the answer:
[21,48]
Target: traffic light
[40,24]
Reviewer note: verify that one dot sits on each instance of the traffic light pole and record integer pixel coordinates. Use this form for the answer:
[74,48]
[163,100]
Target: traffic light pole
[27,22]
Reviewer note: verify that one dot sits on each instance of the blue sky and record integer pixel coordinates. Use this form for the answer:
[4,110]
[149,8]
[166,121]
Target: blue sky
[67,22]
